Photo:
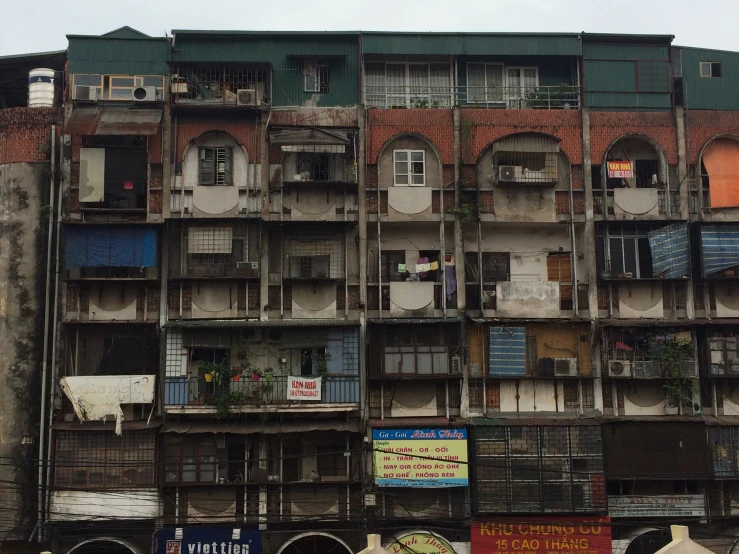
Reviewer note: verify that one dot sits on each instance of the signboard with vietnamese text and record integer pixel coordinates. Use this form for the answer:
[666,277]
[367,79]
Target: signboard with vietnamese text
[679,505]
[208,540]
[542,535]
[302,388]
[420,457]
[418,542]
[620,170]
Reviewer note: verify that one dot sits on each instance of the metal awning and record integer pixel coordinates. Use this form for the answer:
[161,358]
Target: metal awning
[312,136]
[105,426]
[113,120]
[241,323]
[272,428]
[414,320]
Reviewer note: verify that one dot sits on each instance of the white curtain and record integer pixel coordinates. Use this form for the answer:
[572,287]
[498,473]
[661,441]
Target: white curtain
[475,83]
[440,85]
[374,82]
[396,93]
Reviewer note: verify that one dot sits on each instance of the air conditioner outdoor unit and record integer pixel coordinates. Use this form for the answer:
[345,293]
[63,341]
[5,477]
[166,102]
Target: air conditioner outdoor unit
[86,93]
[510,173]
[144,94]
[565,367]
[246,97]
[455,365]
[619,368]
[252,268]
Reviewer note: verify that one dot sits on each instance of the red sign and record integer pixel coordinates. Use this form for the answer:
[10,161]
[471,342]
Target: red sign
[620,170]
[542,535]
[174,547]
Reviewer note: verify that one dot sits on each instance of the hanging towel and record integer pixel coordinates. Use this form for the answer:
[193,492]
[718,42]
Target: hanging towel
[423,268]
[623,346]
[434,266]
[450,276]
[401,268]
[421,261]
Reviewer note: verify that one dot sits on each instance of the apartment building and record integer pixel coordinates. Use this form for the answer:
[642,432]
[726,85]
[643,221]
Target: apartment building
[443,287]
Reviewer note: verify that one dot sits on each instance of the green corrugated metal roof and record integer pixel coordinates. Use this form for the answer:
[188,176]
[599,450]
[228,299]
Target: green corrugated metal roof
[529,44]
[710,93]
[627,51]
[123,56]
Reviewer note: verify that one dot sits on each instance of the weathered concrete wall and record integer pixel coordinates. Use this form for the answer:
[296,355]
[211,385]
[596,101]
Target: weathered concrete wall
[22,273]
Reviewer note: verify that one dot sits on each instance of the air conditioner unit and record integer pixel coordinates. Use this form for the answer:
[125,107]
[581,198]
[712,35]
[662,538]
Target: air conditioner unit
[510,173]
[455,365]
[89,94]
[144,94]
[565,367]
[619,368]
[251,268]
[246,97]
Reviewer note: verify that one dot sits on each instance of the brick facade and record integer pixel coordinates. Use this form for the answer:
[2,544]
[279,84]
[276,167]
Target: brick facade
[244,129]
[607,127]
[434,125]
[24,134]
[703,125]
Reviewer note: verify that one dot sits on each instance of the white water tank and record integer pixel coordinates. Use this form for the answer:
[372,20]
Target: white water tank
[41,87]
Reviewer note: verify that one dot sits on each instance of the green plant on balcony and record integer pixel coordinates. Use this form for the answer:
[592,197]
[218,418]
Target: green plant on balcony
[217,372]
[562,96]
[673,357]
[466,211]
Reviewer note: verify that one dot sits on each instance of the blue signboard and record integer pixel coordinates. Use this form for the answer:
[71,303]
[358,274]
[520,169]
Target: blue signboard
[208,540]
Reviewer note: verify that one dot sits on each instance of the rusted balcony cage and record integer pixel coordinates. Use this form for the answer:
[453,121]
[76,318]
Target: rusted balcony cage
[220,85]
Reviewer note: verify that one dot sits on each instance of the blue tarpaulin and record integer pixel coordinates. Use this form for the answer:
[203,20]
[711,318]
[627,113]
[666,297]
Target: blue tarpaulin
[720,245]
[110,246]
[669,246]
[507,351]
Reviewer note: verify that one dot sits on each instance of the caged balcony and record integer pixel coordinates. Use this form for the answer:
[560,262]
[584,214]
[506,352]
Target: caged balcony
[216,86]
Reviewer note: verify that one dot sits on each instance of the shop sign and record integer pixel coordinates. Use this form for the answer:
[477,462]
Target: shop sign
[420,457]
[542,535]
[682,505]
[419,543]
[620,170]
[207,540]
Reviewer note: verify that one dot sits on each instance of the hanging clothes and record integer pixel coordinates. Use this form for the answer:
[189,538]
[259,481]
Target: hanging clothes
[450,277]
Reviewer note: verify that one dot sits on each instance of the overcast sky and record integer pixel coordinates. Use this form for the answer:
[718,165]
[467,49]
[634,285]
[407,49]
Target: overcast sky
[41,25]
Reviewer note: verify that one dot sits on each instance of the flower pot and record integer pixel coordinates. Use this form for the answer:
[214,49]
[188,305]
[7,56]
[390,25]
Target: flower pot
[671,410]
[208,377]
[236,378]
[255,377]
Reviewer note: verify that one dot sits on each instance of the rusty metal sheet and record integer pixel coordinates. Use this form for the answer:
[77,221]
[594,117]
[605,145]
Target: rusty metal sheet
[83,121]
[129,121]
[310,136]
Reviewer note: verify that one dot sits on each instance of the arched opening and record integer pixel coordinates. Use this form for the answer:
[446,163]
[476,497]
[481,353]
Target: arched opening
[315,543]
[632,162]
[719,165]
[409,160]
[105,546]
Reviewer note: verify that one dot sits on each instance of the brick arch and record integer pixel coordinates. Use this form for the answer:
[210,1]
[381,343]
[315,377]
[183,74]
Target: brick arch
[419,136]
[608,127]
[215,132]
[523,133]
[664,167]
[710,141]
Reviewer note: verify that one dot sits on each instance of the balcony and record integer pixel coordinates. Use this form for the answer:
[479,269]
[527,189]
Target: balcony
[237,86]
[264,393]
[121,301]
[559,97]
[636,204]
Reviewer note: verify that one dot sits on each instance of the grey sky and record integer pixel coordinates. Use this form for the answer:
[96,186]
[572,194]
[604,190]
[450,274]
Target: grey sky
[41,25]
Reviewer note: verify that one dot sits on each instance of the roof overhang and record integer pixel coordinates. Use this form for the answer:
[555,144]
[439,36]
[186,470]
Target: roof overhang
[113,120]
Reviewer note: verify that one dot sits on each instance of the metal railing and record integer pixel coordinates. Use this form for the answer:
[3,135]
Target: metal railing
[413,96]
[653,369]
[248,391]
[603,203]
[229,85]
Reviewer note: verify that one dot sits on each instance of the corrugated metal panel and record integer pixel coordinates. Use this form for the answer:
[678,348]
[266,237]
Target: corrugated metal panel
[115,56]
[470,44]
[507,351]
[610,76]
[720,245]
[268,428]
[626,51]
[285,54]
[710,93]
[669,246]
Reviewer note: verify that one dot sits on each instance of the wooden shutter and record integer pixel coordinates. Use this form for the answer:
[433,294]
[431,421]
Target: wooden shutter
[559,268]
[207,166]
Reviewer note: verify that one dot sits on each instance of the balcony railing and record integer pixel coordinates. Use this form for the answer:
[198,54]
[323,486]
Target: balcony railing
[264,391]
[220,85]
[603,203]
[411,96]
[653,369]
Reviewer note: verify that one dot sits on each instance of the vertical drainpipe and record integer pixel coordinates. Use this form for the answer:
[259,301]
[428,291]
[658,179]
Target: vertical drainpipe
[362,222]
[264,184]
[44,371]
[55,295]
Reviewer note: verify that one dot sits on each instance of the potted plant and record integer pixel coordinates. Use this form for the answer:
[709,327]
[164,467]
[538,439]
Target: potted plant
[256,374]
[205,369]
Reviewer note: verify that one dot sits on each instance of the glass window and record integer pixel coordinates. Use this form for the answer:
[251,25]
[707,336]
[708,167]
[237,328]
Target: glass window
[122,82]
[409,168]
[88,80]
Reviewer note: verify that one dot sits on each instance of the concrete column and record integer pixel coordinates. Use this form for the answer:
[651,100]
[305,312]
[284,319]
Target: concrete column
[459,258]
[684,184]
[264,187]
[167,161]
[361,166]
[589,222]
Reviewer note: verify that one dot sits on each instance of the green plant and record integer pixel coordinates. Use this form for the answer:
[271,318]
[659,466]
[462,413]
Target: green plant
[550,97]
[221,371]
[673,358]
[468,212]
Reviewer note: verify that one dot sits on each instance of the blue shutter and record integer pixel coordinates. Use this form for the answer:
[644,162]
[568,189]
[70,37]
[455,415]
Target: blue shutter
[720,244]
[110,246]
[669,246]
[507,351]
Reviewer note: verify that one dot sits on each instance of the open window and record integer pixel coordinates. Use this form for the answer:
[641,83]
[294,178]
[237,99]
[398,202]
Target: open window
[392,261]
[113,173]
[710,69]
[316,76]
[496,266]
[216,166]
[410,168]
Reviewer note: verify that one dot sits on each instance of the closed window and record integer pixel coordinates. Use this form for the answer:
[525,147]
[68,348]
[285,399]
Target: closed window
[410,168]
[216,166]
[484,83]
[315,76]
[710,69]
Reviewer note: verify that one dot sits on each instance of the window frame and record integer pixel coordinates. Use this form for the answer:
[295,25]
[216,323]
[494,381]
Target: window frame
[409,172]
[401,95]
[216,174]
[520,90]
[710,65]
[486,100]
[321,80]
